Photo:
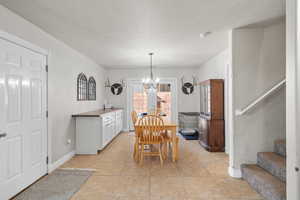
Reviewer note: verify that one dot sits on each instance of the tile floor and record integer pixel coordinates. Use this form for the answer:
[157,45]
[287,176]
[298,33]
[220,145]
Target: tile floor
[198,175]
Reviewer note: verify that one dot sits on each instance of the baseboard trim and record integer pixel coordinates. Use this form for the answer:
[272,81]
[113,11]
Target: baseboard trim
[62,160]
[125,130]
[235,173]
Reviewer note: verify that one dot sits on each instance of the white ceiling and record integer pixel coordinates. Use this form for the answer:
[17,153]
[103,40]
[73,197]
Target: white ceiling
[121,33]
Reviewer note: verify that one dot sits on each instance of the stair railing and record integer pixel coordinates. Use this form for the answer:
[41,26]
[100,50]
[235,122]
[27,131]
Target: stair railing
[250,106]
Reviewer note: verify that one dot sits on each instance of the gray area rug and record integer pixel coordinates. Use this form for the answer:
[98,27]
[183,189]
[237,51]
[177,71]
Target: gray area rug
[61,184]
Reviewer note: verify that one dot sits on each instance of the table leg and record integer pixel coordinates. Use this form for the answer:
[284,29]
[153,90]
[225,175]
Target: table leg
[174,150]
[136,150]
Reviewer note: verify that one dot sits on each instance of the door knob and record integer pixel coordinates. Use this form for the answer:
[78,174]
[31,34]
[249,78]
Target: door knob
[2,135]
[297,169]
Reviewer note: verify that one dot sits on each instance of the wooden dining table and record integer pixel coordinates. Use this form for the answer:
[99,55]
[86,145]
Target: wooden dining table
[172,129]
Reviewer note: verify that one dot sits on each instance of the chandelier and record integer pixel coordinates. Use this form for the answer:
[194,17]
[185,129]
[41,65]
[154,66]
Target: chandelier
[149,83]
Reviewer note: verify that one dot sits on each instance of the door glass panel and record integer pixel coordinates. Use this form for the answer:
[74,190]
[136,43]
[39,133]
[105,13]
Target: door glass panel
[140,102]
[152,98]
[163,99]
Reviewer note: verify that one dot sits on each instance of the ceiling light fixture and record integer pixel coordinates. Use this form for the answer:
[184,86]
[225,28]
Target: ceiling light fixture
[149,83]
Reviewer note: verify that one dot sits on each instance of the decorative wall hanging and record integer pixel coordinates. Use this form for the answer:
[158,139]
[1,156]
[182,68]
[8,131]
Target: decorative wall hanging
[92,89]
[82,90]
[188,87]
[86,89]
[116,88]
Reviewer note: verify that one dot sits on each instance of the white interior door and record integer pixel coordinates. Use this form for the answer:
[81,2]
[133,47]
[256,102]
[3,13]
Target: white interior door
[23,134]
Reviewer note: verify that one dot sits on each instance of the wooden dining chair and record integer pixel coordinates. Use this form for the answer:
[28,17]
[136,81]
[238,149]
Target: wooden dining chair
[150,130]
[156,112]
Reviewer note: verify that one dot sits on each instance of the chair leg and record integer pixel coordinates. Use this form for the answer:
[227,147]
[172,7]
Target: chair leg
[160,155]
[134,151]
[165,150]
[138,153]
[176,147]
[168,147]
[142,155]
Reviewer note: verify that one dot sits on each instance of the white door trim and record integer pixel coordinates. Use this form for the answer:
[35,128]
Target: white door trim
[128,114]
[232,170]
[25,44]
[292,98]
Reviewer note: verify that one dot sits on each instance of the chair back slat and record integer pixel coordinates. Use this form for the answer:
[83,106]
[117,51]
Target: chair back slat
[151,128]
[154,112]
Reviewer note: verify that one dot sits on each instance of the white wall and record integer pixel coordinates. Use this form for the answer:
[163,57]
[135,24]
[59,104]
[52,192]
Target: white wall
[216,68]
[258,63]
[186,103]
[64,66]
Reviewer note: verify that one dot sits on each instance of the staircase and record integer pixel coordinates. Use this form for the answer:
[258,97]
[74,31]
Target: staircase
[268,176]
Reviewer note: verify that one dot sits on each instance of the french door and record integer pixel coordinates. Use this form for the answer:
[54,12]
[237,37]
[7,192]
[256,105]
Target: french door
[164,99]
[23,134]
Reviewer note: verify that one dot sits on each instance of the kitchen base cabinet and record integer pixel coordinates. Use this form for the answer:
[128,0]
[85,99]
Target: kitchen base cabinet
[88,137]
[94,130]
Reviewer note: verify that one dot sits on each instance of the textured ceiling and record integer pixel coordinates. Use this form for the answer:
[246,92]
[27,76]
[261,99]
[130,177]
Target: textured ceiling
[120,33]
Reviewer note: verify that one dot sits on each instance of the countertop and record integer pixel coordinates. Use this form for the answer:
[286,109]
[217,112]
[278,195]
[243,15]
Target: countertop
[96,113]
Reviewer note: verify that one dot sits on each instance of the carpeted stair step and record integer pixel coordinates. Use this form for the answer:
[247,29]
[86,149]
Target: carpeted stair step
[280,147]
[273,163]
[263,182]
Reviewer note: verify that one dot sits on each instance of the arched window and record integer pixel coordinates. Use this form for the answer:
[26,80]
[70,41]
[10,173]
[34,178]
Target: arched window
[92,88]
[82,92]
